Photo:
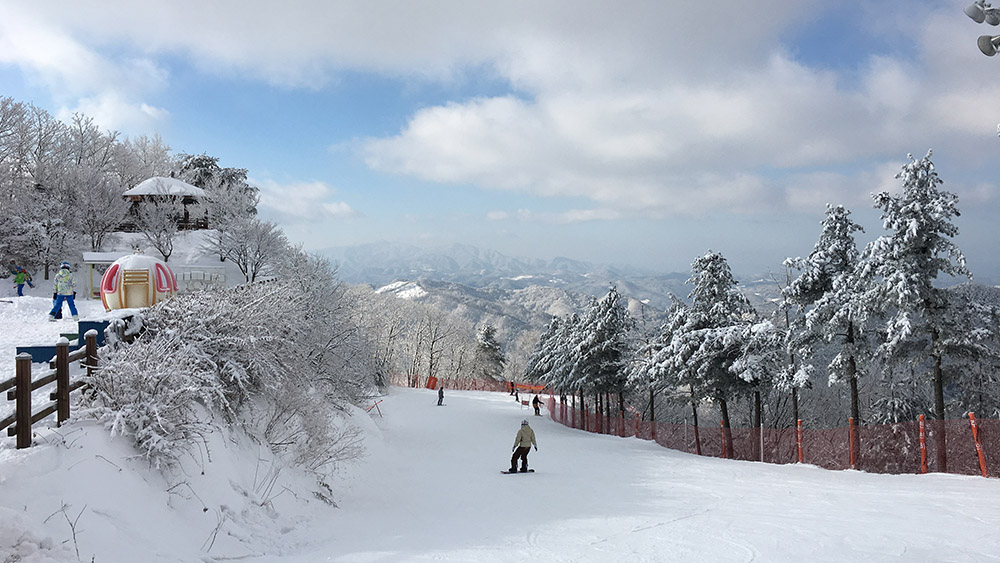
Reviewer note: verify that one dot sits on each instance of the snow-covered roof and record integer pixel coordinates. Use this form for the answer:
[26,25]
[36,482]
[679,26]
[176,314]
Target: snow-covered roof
[159,185]
[102,257]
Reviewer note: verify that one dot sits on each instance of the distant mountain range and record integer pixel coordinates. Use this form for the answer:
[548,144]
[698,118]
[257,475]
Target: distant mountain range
[494,274]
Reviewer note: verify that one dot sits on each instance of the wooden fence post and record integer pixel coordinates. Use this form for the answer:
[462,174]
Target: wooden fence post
[62,381]
[90,340]
[798,437]
[923,445]
[979,446]
[22,399]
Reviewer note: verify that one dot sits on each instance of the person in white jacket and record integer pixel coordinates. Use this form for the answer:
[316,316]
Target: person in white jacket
[522,445]
[65,290]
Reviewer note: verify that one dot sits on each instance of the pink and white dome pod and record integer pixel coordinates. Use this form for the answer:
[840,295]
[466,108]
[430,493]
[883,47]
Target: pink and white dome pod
[137,281]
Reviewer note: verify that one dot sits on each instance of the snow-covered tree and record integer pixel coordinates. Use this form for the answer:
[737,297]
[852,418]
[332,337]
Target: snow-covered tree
[489,358]
[157,219]
[903,266]
[973,358]
[553,361]
[705,344]
[827,296]
[228,195]
[100,204]
[603,350]
[253,245]
[905,263]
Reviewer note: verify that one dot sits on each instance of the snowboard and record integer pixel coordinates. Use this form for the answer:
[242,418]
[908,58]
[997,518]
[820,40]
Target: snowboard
[505,472]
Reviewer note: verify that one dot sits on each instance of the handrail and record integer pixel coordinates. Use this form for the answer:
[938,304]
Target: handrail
[20,387]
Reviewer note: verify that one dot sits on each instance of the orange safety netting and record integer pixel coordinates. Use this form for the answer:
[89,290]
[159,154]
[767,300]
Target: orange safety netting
[880,448]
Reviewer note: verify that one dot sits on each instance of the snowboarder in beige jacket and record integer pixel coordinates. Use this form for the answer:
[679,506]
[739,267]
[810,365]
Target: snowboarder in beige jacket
[522,445]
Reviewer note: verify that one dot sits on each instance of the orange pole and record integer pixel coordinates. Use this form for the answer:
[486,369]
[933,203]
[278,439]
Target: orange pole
[923,445]
[850,439]
[979,446]
[798,437]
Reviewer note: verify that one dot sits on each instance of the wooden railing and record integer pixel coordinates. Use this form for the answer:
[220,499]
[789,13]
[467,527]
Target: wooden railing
[21,386]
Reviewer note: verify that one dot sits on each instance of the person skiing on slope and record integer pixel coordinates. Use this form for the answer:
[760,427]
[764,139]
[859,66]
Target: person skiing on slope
[537,403]
[522,445]
[65,287]
[440,395]
[20,278]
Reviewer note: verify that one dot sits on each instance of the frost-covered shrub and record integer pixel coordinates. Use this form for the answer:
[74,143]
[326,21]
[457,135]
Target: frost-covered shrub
[257,356]
[155,393]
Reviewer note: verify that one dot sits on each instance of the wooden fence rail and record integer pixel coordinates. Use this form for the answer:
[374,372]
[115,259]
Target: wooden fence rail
[20,387]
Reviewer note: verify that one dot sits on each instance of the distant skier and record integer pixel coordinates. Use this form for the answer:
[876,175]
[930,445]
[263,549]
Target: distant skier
[20,278]
[441,395]
[537,403]
[65,287]
[511,387]
[522,445]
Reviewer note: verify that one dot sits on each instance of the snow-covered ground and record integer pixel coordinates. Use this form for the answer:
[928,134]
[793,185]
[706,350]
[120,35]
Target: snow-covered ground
[430,488]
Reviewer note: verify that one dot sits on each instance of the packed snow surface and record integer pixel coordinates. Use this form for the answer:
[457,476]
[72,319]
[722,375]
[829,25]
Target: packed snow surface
[430,489]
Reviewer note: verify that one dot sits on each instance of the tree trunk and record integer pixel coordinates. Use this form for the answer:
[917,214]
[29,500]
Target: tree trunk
[694,413]
[652,410]
[756,409]
[942,444]
[727,430]
[852,378]
[795,407]
[607,412]
[757,430]
[597,414]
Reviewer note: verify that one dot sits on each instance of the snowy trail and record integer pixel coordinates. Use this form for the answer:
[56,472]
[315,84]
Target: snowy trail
[432,491]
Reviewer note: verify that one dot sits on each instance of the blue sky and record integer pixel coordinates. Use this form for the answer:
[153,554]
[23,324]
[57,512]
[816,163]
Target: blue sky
[636,132]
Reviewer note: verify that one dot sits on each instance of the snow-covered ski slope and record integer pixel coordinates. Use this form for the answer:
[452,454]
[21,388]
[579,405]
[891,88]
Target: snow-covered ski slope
[430,490]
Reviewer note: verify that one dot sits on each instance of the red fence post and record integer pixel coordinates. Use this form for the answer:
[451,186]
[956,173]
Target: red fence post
[850,439]
[22,399]
[798,437]
[979,446]
[923,445]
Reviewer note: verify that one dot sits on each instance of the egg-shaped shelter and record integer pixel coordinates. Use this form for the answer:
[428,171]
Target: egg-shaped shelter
[136,280]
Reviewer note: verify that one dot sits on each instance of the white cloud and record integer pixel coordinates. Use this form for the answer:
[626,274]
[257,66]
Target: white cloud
[111,112]
[643,109]
[302,201]
[557,218]
[78,76]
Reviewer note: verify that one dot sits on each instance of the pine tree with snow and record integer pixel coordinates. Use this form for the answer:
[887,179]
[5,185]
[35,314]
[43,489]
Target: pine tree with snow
[710,336]
[903,266]
[973,359]
[554,360]
[489,359]
[826,295]
[604,347]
